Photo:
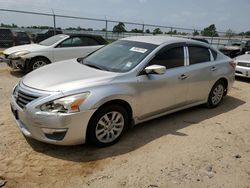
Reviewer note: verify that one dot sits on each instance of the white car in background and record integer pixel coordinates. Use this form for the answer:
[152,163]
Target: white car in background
[243,65]
[56,48]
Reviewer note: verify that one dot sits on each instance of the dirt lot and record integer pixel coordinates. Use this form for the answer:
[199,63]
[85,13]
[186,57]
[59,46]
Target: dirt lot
[198,147]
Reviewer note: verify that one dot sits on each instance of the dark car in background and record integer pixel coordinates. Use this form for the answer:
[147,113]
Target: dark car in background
[235,48]
[201,40]
[21,38]
[7,38]
[45,34]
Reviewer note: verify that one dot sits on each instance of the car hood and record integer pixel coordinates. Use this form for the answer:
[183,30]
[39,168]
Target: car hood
[28,47]
[65,76]
[245,57]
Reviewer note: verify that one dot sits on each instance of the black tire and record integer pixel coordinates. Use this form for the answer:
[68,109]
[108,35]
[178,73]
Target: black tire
[219,85]
[93,125]
[32,64]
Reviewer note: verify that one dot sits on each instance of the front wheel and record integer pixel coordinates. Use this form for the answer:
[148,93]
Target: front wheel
[107,126]
[216,94]
[37,63]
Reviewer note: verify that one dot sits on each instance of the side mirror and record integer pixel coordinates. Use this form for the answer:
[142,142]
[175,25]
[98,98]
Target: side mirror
[247,52]
[155,69]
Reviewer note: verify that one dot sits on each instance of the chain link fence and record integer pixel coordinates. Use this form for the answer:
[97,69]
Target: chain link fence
[104,27]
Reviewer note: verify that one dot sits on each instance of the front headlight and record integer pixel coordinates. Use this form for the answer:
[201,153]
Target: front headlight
[19,54]
[68,104]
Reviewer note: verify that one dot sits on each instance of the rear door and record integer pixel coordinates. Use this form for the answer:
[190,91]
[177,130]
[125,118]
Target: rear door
[74,47]
[161,93]
[202,71]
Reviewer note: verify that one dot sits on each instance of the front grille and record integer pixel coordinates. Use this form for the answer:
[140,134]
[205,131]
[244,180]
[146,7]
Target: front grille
[23,98]
[244,64]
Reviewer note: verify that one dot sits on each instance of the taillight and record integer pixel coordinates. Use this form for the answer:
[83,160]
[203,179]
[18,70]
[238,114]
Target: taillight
[232,64]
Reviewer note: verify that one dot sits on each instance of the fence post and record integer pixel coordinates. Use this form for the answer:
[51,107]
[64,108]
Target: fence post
[54,21]
[143,27]
[106,28]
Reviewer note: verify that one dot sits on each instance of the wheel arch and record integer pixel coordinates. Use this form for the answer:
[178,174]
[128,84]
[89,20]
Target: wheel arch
[225,81]
[119,102]
[35,57]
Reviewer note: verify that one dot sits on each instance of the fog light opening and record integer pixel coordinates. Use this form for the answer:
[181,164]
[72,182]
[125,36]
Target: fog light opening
[54,134]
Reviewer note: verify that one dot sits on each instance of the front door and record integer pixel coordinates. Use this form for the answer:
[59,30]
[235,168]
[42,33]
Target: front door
[161,93]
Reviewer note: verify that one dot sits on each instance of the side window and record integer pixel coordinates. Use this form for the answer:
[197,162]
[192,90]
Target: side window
[71,42]
[198,55]
[50,32]
[87,41]
[76,41]
[248,44]
[66,43]
[171,58]
[92,42]
[84,41]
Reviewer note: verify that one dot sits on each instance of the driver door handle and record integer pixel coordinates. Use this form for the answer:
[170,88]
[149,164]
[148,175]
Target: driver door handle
[183,77]
[213,69]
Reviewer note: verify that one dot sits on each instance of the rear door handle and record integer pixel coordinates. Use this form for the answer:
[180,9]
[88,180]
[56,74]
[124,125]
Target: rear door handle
[213,69]
[183,77]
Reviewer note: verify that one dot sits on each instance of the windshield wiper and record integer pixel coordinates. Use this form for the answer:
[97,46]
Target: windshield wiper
[94,66]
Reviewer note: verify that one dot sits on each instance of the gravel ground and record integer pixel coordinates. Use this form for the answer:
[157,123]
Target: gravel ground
[198,147]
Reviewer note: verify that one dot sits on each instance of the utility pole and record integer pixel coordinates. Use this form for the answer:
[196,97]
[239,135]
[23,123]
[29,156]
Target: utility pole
[54,21]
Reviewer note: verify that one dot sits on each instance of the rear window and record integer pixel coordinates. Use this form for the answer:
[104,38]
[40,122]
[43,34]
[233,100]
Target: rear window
[198,54]
[22,35]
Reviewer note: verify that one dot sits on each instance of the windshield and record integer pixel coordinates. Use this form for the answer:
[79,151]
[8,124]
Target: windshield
[120,56]
[44,31]
[52,40]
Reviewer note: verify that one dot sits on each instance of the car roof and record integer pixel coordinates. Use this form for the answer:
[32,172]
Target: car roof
[99,38]
[158,40]
[81,35]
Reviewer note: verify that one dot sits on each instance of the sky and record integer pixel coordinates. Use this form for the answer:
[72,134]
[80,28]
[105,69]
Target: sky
[225,14]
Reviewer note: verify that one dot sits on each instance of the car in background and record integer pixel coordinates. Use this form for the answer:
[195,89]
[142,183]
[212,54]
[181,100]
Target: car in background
[7,38]
[38,37]
[21,38]
[243,65]
[235,48]
[56,48]
[127,82]
[201,40]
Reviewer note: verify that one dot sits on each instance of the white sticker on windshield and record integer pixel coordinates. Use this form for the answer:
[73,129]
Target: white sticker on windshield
[129,64]
[140,50]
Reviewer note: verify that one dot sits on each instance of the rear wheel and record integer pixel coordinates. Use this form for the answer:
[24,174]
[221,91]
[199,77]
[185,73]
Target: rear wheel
[216,94]
[107,126]
[37,63]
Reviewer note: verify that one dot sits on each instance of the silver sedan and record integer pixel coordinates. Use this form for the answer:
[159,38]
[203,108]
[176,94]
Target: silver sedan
[94,99]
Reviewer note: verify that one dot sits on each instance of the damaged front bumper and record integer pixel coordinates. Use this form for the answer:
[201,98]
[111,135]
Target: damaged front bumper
[15,63]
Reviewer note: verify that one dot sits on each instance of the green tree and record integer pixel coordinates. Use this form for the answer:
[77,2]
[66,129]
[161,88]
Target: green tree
[229,33]
[195,33]
[174,32]
[119,28]
[210,31]
[157,31]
